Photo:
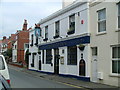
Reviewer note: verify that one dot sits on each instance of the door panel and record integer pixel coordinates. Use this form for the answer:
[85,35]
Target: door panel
[94,69]
[56,61]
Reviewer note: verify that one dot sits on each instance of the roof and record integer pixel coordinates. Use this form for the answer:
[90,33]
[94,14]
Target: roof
[62,11]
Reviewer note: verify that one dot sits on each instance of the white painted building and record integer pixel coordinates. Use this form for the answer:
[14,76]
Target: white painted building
[64,33]
[34,54]
[14,52]
[81,40]
[105,42]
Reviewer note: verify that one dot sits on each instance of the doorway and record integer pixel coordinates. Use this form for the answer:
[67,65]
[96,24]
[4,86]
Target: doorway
[82,67]
[94,64]
[56,61]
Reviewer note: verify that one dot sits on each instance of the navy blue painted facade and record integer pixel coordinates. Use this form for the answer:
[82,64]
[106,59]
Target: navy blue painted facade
[70,42]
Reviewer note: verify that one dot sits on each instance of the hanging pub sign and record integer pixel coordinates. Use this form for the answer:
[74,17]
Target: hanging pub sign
[37,30]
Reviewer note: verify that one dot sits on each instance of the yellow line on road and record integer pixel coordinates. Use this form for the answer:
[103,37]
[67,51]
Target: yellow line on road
[70,85]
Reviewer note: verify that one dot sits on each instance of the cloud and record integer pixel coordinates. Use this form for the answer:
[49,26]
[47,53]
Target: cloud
[31,1]
[13,14]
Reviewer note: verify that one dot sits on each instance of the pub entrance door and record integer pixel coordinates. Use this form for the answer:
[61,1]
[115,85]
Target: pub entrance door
[56,61]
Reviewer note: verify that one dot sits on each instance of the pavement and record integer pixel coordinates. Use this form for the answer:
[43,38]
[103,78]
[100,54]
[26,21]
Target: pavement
[66,80]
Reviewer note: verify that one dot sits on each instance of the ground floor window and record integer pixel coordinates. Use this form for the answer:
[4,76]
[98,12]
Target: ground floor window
[48,56]
[72,55]
[33,58]
[116,59]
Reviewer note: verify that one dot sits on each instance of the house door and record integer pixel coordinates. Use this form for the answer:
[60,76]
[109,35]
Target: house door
[94,64]
[39,59]
[82,67]
[56,61]
[94,69]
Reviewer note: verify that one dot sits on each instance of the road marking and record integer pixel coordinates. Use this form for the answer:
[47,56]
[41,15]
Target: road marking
[70,85]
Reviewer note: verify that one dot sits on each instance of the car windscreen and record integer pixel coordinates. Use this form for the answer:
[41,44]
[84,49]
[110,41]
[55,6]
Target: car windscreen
[2,65]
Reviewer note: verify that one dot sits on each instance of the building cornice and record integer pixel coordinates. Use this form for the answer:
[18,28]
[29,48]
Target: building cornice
[62,11]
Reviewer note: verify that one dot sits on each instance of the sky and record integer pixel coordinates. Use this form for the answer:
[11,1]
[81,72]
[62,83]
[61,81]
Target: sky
[13,13]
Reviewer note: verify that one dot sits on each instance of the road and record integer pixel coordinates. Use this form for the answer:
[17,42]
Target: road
[24,80]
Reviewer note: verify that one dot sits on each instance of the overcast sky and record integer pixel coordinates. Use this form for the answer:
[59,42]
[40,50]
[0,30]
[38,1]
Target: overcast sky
[13,13]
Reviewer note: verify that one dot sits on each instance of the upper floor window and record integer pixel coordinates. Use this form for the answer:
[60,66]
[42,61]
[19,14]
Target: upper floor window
[116,59]
[71,24]
[26,46]
[119,15]
[102,20]
[57,28]
[31,40]
[46,32]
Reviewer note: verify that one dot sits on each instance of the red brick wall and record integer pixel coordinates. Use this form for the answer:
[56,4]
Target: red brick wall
[22,38]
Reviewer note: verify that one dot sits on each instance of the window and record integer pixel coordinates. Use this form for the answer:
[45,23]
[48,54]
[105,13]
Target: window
[31,40]
[102,20]
[36,41]
[46,32]
[48,56]
[2,66]
[26,46]
[119,15]
[71,24]
[94,51]
[57,28]
[33,57]
[15,47]
[116,60]
[72,55]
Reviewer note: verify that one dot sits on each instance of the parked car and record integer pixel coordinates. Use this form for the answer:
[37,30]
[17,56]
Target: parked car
[4,84]
[4,69]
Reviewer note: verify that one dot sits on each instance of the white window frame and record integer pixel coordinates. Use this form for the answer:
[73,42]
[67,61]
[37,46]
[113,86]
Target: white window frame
[46,32]
[114,59]
[103,20]
[57,28]
[25,44]
[118,15]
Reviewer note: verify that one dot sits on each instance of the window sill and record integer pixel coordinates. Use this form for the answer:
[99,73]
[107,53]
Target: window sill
[101,33]
[57,36]
[45,39]
[114,75]
[71,32]
[117,30]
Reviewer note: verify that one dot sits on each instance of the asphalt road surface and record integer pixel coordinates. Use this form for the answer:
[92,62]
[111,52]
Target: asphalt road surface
[24,80]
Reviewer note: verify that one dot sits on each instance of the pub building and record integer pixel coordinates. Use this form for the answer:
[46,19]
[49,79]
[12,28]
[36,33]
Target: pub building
[64,44]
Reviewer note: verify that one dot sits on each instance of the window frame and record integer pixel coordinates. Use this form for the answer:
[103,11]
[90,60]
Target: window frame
[114,59]
[25,46]
[57,28]
[101,21]
[46,32]
[118,15]
[48,56]
[71,24]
